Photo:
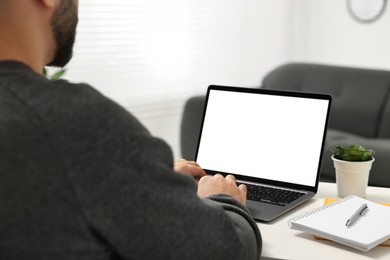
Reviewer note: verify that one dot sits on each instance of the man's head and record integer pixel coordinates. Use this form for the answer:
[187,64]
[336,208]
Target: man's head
[64,23]
[38,32]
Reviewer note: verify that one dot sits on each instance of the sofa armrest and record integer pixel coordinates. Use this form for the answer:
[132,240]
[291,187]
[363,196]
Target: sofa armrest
[190,126]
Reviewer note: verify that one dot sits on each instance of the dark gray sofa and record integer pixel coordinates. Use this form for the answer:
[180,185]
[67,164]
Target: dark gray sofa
[360,111]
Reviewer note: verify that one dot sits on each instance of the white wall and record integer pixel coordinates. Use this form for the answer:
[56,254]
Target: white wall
[325,32]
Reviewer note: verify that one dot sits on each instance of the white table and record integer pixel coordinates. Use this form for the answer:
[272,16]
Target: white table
[281,242]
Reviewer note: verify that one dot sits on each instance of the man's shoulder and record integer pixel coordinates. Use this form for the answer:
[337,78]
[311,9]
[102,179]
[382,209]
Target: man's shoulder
[83,105]
[34,89]
[73,94]
[61,103]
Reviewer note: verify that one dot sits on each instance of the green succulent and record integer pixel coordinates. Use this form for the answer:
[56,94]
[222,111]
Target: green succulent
[353,153]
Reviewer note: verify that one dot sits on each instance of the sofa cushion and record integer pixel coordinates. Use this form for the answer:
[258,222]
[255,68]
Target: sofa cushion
[358,94]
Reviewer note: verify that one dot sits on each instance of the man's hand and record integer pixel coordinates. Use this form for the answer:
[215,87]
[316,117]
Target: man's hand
[217,184]
[190,168]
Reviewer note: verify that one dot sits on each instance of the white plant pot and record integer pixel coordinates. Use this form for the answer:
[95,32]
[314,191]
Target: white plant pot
[352,177]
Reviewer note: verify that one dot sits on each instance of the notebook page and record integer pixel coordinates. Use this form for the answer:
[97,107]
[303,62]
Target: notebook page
[329,221]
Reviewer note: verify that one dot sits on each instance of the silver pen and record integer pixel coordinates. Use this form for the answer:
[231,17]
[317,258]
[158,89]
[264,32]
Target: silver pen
[357,214]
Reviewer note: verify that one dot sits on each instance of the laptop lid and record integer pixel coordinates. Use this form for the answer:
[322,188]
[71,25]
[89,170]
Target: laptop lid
[264,136]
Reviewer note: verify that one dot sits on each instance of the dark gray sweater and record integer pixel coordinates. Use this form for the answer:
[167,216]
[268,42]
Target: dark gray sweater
[81,178]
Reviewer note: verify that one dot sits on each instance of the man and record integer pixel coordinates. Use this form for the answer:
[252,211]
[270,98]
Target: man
[81,178]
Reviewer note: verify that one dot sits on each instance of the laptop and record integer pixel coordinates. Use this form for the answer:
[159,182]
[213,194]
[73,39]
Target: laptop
[270,140]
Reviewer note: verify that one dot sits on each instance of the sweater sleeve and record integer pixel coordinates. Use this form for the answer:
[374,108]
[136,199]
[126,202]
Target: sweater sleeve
[132,200]
[246,228]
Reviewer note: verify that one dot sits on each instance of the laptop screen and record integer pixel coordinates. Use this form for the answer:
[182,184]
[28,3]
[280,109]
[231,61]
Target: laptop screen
[265,134]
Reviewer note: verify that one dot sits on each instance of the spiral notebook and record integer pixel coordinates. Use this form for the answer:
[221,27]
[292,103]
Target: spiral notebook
[329,221]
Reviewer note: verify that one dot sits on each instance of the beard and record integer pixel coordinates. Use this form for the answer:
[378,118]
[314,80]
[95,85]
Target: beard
[64,23]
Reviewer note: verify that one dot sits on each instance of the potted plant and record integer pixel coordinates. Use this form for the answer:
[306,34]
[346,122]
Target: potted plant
[353,165]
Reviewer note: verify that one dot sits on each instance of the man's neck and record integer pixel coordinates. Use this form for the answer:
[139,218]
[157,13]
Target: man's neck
[23,40]
[22,53]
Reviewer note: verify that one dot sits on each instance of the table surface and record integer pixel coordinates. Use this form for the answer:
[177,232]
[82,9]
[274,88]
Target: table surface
[281,242]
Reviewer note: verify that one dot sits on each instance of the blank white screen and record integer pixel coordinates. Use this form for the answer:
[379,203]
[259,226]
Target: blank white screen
[265,136]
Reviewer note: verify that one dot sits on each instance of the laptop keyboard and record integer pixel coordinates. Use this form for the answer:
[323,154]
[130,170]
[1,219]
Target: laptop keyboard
[271,195]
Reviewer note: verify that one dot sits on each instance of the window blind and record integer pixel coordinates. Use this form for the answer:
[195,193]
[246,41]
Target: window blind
[150,55]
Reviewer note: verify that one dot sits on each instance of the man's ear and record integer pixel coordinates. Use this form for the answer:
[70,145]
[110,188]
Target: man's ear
[49,3]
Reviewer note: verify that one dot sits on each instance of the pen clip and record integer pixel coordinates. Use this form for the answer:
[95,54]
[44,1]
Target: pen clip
[364,210]
[359,212]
